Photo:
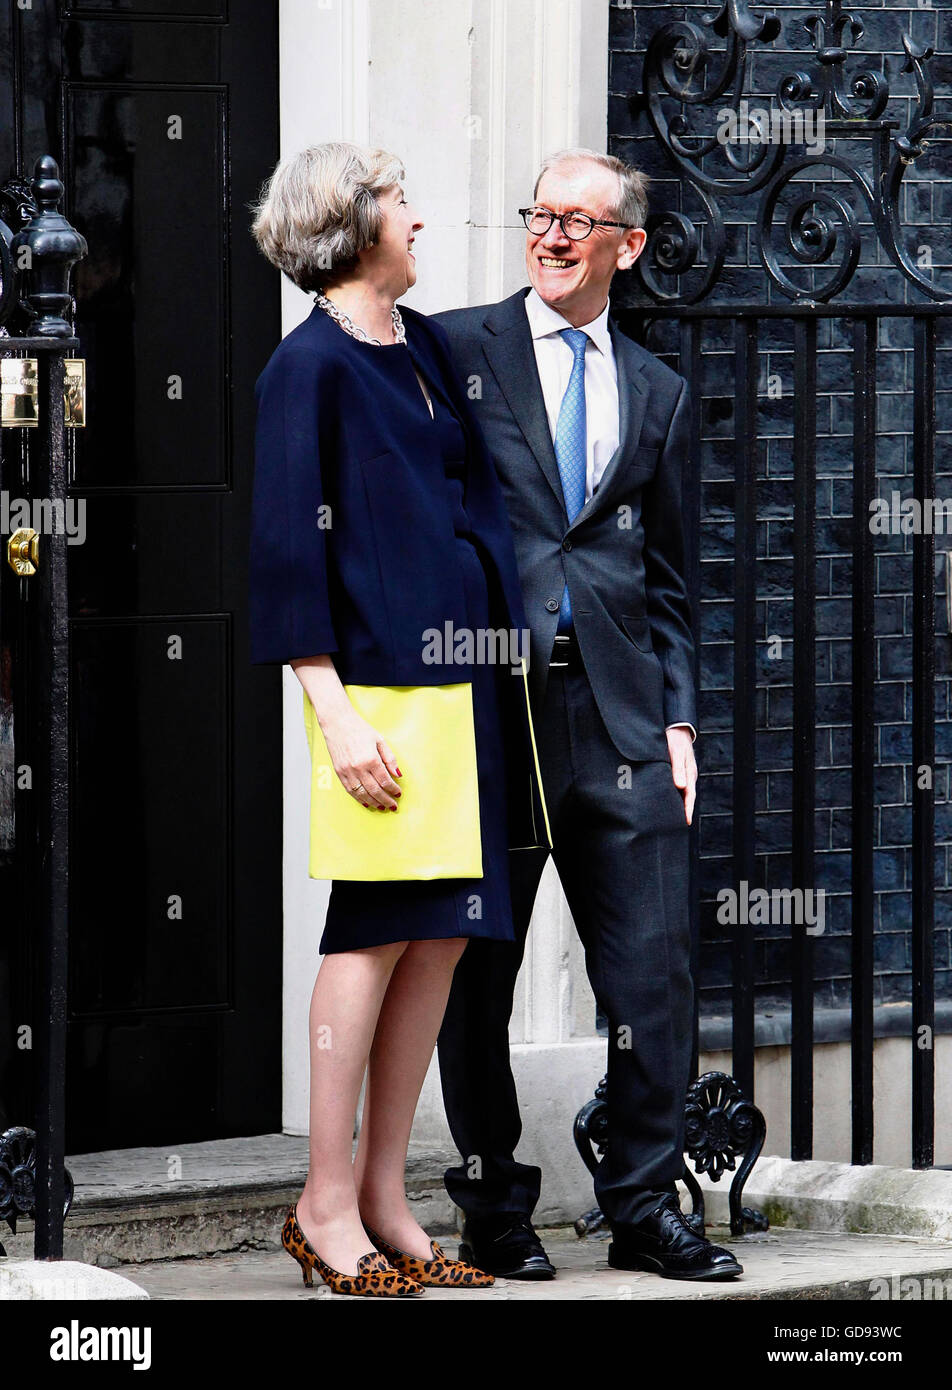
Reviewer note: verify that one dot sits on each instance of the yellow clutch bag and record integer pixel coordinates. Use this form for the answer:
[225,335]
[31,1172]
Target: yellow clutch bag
[434,833]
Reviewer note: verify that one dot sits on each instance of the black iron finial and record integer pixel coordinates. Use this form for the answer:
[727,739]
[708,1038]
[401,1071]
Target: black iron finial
[44,252]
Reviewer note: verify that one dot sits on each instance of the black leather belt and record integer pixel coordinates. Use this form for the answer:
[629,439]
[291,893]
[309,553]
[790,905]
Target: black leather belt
[565,652]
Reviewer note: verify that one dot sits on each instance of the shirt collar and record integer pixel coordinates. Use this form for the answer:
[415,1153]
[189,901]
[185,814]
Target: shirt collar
[544,321]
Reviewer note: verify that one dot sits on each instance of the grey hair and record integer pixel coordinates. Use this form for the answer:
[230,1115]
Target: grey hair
[319,210]
[631,205]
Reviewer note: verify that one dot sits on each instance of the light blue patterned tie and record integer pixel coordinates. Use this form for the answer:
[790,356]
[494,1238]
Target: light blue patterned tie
[570,447]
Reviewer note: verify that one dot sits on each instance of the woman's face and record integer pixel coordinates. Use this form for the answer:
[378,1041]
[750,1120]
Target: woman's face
[391,261]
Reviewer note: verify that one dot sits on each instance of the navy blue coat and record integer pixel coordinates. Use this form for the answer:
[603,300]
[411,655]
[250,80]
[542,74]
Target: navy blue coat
[352,547]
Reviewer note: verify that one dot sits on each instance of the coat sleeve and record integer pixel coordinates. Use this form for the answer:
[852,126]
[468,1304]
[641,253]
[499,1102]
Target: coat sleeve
[666,596]
[289,601]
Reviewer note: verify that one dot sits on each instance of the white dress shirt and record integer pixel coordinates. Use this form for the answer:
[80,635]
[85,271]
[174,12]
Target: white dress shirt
[554,361]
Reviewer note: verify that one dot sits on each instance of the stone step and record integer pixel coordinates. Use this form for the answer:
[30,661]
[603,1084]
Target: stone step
[778,1265]
[203,1199]
[204,1220]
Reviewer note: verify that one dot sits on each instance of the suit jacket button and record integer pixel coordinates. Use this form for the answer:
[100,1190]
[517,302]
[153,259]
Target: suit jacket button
[552,604]
[566,545]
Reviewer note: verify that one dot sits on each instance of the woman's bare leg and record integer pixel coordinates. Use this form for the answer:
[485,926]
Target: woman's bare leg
[403,1044]
[345,1006]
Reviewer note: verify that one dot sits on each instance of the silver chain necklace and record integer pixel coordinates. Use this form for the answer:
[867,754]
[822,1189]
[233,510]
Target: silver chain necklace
[355,331]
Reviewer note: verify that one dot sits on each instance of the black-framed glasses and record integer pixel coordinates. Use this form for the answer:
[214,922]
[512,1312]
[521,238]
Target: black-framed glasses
[576,225]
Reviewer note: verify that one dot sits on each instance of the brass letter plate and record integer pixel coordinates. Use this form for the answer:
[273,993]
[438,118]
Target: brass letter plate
[75,391]
[18,392]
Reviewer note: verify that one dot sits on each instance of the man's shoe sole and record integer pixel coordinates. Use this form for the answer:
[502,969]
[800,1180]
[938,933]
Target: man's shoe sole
[650,1265]
[535,1272]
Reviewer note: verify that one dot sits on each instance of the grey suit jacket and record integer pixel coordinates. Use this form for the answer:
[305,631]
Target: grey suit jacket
[623,555]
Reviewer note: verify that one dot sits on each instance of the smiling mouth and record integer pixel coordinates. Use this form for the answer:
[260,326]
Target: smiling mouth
[556,263]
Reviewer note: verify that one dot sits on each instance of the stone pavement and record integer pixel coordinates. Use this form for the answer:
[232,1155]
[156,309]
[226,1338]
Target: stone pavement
[780,1264]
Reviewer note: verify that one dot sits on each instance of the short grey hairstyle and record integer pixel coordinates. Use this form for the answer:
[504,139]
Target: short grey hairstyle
[631,206]
[319,210]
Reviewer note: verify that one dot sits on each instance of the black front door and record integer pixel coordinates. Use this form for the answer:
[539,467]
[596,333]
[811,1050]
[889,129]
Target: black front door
[164,116]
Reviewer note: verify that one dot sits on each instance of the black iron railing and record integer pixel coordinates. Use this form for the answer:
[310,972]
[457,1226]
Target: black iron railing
[812,215]
[38,248]
[865,322]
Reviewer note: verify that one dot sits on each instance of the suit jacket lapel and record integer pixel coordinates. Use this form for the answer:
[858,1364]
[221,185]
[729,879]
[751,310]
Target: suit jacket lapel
[511,356]
[632,404]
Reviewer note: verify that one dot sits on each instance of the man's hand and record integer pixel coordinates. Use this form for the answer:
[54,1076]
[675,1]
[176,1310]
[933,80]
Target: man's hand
[683,767]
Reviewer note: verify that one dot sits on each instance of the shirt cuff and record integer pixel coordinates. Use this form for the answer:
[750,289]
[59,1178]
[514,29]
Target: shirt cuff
[684,726]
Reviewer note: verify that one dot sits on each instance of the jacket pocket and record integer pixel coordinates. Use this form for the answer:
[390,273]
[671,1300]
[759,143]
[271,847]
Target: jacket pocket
[638,630]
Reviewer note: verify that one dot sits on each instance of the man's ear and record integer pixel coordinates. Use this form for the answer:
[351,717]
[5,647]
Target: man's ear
[632,247]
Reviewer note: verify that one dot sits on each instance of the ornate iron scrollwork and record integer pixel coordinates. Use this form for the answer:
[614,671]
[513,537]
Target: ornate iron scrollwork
[869,91]
[686,80]
[720,1124]
[590,1133]
[18,1178]
[17,207]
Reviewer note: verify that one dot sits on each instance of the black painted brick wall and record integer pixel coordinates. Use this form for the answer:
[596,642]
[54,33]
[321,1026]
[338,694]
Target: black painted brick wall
[926,212]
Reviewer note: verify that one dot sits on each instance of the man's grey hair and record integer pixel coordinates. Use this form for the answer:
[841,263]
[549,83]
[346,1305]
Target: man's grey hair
[631,205]
[319,210]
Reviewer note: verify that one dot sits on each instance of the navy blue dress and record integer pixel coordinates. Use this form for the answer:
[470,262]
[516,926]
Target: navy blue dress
[363,914]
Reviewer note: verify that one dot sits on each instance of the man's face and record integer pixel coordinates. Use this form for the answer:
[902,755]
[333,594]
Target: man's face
[573,277]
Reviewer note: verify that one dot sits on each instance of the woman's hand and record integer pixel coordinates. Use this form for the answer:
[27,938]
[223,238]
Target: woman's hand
[362,758]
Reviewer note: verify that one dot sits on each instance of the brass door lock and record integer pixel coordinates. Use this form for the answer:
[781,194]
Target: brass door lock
[23,551]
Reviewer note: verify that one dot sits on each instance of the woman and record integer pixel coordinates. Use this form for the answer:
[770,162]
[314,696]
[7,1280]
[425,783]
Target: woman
[377,519]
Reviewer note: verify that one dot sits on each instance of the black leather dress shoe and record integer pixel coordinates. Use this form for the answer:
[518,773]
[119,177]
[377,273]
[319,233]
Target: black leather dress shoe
[663,1243]
[505,1245]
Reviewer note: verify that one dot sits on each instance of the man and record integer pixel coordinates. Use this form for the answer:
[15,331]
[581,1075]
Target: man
[589,433]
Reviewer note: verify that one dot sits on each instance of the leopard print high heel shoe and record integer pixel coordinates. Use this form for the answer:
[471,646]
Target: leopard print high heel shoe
[439,1270]
[375,1277]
